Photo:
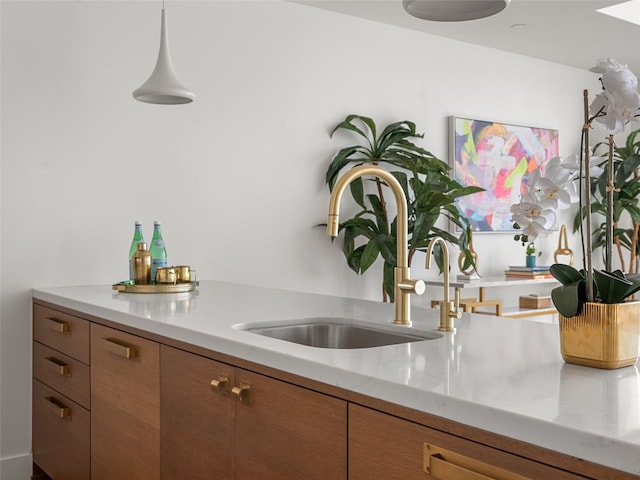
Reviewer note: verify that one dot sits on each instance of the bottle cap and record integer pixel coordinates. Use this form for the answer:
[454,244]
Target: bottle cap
[156,222]
[138,222]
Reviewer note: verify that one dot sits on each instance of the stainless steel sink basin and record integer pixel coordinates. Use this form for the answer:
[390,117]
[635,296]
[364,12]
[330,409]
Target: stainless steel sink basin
[339,333]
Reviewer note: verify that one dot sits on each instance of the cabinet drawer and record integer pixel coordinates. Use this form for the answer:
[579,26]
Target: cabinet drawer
[383,446]
[61,331]
[62,373]
[61,434]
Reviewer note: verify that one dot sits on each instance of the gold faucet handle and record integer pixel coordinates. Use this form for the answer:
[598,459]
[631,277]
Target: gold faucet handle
[448,313]
[412,286]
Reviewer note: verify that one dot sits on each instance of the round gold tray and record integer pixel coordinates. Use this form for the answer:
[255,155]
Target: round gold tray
[159,288]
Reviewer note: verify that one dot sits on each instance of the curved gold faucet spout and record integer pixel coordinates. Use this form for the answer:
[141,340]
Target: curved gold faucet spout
[404,286]
[448,309]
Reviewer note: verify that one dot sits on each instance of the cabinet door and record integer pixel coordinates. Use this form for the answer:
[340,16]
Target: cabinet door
[285,432]
[125,406]
[196,420]
[60,434]
[383,446]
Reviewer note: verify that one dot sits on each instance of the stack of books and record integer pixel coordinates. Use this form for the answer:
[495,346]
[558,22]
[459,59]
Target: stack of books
[516,271]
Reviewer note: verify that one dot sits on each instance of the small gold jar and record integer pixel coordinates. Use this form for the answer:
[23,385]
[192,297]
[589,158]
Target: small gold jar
[166,275]
[185,274]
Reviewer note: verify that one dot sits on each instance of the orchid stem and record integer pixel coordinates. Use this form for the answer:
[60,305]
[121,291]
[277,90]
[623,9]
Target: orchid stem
[587,198]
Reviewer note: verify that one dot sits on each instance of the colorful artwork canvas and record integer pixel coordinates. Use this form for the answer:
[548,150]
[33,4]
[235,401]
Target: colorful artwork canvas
[499,158]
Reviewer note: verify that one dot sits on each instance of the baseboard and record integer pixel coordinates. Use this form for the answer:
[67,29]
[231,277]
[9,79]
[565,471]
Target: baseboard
[16,468]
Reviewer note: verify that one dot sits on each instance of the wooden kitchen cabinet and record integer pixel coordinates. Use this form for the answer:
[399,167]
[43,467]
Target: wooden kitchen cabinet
[288,432]
[114,405]
[60,394]
[275,431]
[196,420]
[125,406]
[384,446]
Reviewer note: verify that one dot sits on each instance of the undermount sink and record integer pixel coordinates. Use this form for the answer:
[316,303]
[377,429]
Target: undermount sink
[338,333]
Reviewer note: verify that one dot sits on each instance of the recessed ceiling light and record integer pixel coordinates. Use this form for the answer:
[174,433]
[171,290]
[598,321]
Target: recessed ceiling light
[453,10]
[627,11]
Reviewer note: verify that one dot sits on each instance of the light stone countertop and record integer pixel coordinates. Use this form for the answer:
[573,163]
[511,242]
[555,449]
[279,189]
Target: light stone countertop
[502,375]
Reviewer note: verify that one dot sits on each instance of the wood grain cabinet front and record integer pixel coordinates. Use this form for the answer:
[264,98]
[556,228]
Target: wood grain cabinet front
[384,446]
[246,426]
[61,331]
[156,411]
[125,406]
[61,401]
[61,434]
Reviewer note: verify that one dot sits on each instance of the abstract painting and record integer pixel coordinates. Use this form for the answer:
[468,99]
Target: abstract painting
[499,158]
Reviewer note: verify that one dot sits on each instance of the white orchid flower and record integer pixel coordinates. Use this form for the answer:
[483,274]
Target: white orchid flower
[572,163]
[615,109]
[619,102]
[604,64]
[619,80]
[555,187]
[552,196]
[533,218]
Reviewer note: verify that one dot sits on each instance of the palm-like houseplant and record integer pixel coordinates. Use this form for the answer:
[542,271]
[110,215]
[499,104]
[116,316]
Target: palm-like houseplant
[625,201]
[371,233]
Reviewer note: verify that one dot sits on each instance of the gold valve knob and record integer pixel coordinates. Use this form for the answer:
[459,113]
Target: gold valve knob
[221,384]
[242,392]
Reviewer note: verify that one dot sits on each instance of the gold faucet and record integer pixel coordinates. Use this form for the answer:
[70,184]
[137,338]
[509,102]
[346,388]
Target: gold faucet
[448,309]
[404,286]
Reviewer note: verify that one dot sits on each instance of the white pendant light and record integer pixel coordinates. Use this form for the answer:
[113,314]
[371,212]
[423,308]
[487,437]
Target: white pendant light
[453,10]
[163,86]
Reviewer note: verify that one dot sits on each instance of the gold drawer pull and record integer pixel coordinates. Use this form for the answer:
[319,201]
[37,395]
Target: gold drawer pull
[445,464]
[443,470]
[120,348]
[59,326]
[58,366]
[221,384]
[242,392]
[58,408]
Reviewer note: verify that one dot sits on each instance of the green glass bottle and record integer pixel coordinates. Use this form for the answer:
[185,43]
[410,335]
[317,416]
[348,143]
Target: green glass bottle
[158,251]
[137,237]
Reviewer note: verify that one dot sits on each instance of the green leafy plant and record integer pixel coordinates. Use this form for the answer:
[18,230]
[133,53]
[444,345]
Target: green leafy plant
[370,233]
[609,287]
[626,210]
[531,249]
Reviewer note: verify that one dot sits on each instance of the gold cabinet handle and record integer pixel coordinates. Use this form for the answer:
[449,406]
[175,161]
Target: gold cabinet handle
[120,348]
[58,325]
[445,464]
[221,384]
[58,366]
[58,408]
[242,392]
[443,470]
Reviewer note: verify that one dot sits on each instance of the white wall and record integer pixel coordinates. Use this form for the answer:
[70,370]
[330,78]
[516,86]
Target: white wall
[237,176]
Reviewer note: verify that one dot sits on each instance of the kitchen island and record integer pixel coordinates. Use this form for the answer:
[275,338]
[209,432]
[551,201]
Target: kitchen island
[496,375]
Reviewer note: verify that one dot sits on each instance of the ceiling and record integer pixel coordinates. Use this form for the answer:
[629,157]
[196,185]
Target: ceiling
[569,32]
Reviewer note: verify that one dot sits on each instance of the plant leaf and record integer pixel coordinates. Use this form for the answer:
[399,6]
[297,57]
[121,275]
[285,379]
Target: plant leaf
[565,274]
[567,298]
[357,191]
[369,255]
[611,288]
